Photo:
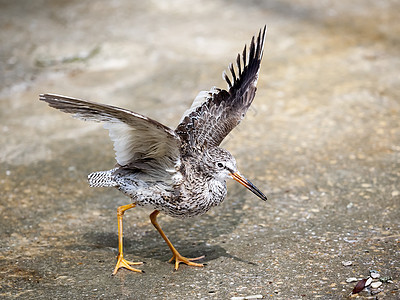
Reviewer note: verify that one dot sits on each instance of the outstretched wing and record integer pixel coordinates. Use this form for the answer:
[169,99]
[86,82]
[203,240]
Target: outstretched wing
[215,113]
[139,142]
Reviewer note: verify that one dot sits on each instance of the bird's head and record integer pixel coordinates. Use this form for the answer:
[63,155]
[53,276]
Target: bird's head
[222,165]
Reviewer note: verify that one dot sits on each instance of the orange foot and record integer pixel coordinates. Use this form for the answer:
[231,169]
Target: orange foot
[123,263]
[181,259]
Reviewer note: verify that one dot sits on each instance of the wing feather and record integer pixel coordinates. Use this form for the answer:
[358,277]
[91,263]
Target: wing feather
[138,140]
[209,121]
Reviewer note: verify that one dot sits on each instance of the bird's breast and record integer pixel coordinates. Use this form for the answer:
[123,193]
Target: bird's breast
[195,199]
[216,192]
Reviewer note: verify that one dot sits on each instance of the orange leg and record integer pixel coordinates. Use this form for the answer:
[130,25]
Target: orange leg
[122,263]
[176,256]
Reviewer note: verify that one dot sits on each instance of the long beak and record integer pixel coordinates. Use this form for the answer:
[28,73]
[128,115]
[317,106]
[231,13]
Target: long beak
[239,178]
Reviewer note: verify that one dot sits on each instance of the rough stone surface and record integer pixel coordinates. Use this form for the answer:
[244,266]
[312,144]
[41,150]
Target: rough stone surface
[322,140]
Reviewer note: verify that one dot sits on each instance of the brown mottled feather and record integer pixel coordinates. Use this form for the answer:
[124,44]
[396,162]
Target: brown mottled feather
[221,111]
[138,140]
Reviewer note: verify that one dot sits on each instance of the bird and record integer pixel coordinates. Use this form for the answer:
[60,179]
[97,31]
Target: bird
[180,172]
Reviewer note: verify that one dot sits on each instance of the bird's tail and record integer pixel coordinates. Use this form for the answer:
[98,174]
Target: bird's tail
[102,179]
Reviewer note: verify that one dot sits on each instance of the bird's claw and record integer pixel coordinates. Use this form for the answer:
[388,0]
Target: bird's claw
[181,259]
[123,263]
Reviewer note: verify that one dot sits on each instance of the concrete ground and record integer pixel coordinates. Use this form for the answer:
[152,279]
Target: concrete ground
[322,140]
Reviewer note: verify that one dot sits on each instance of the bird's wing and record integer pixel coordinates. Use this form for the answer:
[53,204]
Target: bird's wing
[139,142]
[215,113]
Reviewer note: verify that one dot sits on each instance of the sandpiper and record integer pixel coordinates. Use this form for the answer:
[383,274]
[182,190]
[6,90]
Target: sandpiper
[180,172]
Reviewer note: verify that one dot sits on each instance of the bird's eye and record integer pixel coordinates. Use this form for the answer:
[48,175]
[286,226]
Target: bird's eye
[220,165]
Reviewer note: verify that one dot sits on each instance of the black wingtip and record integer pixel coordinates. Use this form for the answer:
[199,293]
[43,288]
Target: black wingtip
[226,77]
[232,69]
[244,54]
[251,59]
[262,41]
[239,64]
[49,98]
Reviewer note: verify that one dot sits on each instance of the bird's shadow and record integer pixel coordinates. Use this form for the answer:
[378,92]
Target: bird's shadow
[152,246]
[189,236]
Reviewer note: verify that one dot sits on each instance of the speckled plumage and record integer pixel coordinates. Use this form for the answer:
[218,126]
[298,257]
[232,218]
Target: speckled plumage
[194,190]
[180,172]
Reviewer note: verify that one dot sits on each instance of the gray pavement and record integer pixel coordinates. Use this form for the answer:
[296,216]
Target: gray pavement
[322,141]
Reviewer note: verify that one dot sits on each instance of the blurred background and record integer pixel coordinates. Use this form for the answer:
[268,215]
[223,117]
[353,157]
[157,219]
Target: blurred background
[321,140]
